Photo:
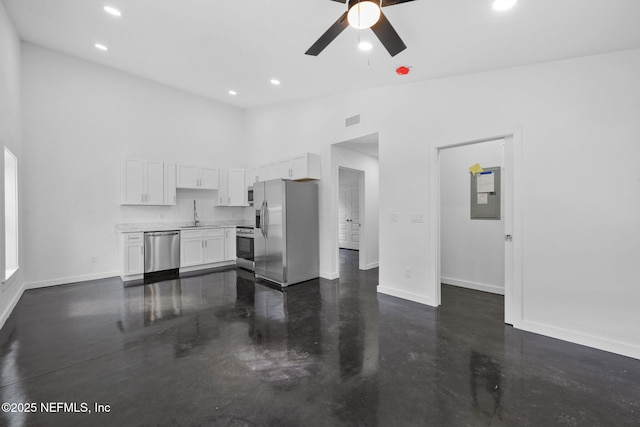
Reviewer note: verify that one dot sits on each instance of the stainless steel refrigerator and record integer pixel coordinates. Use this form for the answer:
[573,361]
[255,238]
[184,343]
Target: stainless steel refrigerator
[286,239]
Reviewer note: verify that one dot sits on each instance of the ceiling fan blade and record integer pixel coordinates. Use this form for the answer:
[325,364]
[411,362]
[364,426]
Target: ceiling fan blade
[344,1]
[333,32]
[388,36]
[391,2]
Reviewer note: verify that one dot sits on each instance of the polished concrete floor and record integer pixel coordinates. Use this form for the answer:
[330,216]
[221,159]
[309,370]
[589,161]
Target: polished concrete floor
[221,350]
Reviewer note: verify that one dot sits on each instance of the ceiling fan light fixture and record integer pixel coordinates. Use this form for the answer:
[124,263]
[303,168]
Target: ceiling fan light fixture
[363,14]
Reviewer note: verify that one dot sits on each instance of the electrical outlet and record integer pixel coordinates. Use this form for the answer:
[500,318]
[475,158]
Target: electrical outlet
[407,272]
[93,259]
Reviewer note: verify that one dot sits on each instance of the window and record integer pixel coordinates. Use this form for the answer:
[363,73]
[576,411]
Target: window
[10,213]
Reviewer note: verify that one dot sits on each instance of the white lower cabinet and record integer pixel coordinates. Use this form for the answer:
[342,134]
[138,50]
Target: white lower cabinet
[199,249]
[230,244]
[204,246]
[132,255]
[191,248]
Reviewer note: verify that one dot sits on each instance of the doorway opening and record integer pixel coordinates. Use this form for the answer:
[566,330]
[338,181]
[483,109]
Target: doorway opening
[471,222]
[349,208]
[355,186]
[496,265]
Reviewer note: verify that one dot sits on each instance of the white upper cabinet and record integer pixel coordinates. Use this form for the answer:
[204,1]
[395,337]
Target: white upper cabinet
[306,166]
[209,178]
[256,175]
[169,183]
[232,188]
[273,171]
[299,168]
[143,182]
[196,177]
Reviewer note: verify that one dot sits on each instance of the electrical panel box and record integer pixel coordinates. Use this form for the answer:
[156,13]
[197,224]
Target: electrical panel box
[485,194]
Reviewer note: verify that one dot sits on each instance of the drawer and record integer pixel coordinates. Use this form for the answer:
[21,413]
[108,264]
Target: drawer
[192,234]
[213,232]
[133,237]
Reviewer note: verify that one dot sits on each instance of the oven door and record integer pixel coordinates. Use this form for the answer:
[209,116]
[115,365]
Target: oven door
[244,247]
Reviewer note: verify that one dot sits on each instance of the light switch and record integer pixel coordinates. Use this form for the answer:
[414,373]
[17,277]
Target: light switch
[394,217]
[417,217]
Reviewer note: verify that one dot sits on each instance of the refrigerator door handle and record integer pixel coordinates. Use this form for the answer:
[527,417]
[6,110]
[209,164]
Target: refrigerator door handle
[263,218]
[266,219]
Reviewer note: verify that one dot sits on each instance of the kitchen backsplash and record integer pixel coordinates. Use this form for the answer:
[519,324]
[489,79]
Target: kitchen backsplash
[183,210]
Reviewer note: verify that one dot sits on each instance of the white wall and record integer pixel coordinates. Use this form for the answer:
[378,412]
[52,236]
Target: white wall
[472,251]
[10,136]
[79,120]
[580,184]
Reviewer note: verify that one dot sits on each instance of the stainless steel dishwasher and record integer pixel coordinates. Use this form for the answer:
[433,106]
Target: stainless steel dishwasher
[161,253]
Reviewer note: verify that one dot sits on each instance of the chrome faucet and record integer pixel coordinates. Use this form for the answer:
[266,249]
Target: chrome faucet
[196,220]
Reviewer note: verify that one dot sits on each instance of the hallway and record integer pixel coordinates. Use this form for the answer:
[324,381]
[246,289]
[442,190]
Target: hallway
[221,350]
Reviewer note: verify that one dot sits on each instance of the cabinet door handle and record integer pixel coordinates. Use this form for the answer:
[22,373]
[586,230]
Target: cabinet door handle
[142,250]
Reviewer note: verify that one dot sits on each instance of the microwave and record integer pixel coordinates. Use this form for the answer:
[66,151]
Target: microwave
[250,196]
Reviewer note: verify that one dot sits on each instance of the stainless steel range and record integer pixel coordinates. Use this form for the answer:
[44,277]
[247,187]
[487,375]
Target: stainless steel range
[244,248]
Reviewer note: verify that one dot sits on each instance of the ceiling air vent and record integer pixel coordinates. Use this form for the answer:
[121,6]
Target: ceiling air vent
[353,120]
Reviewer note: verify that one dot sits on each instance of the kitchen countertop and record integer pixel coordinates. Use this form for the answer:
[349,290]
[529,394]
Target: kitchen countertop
[184,225]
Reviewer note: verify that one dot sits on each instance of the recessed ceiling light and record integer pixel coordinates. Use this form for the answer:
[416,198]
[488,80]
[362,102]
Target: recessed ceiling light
[275,82]
[101,46]
[112,10]
[365,46]
[233,92]
[502,5]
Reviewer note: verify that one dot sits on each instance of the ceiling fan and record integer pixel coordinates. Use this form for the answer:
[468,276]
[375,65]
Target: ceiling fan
[363,14]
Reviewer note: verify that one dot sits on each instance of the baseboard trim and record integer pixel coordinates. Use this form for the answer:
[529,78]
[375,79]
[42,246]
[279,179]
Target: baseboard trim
[599,343]
[484,287]
[422,299]
[329,276]
[72,279]
[207,266]
[12,304]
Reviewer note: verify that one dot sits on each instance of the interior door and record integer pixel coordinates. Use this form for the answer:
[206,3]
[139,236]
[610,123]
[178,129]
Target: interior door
[349,217]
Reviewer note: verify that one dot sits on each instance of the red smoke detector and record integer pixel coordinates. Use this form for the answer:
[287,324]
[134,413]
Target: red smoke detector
[402,70]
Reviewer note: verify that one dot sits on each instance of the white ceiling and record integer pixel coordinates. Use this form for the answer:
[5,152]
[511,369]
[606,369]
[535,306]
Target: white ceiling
[210,46]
